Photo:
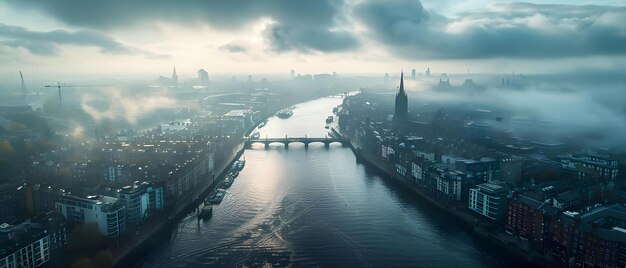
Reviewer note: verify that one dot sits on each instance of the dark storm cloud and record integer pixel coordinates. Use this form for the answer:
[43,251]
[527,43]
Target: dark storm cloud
[296,18]
[517,30]
[303,39]
[46,43]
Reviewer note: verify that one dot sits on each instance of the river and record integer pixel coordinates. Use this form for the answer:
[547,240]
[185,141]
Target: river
[316,207]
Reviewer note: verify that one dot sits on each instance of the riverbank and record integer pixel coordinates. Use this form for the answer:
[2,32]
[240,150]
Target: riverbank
[131,252]
[484,233]
[128,255]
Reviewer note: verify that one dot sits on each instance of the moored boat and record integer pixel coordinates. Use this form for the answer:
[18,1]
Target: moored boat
[241,164]
[228,181]
[262,124]
[218,196]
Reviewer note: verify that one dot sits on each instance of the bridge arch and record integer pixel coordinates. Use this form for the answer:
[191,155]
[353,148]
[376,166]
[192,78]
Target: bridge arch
[303,140]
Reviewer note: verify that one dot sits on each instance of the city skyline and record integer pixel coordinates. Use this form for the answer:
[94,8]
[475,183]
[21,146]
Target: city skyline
[285,133]
[66,37]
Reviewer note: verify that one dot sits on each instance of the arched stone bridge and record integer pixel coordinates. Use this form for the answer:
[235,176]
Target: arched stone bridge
[304,140]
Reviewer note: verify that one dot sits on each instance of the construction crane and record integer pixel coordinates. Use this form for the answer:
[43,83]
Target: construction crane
[23,88]
[59,86]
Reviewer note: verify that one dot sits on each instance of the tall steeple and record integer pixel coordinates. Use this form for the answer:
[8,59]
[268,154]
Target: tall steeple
[401,108]
[174,76]
[401,83]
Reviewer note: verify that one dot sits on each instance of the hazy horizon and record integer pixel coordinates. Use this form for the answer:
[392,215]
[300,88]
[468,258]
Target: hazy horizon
[146,38]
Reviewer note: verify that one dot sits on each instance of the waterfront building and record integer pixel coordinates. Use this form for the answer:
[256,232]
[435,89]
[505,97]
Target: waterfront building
[476,172]
[401,170]
[413,74]
[135,199]
[24,245]
[401,105]
[156,200]
[449,184]
[488,199]
[428,71]
[530,219]
[419,168]
[188,176]
[203,77]
[483,170]
[600,239]
[108,213]
[594,237]
[293,74]
[240,117]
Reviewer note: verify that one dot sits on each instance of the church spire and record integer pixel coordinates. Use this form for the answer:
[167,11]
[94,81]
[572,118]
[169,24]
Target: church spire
[174,76]
[401,109]
[401,83]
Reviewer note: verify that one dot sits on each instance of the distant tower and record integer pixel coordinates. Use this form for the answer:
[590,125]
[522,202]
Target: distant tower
[386,77]
[203,77]
[402,108]
[174,76]
[428,72]
[413,74]
[293,74]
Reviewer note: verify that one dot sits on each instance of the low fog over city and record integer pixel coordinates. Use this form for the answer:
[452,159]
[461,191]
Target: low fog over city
[312,133]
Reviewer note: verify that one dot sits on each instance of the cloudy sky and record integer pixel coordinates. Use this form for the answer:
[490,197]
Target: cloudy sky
[111,37]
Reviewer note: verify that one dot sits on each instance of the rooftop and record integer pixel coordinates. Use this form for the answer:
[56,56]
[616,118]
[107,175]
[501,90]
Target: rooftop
[491,188]
[236,113]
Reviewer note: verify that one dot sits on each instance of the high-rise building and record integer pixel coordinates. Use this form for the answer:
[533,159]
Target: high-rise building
[203,77]
[413,74]
[293,74]
[428,72]
[174,76]
[402,109]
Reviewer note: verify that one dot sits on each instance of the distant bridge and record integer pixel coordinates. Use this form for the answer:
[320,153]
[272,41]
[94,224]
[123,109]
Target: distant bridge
[304,140]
